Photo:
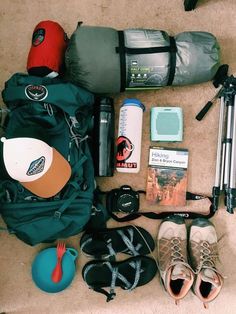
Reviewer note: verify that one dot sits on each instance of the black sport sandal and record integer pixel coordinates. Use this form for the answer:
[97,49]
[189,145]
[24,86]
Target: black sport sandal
[104,243]
[129,274]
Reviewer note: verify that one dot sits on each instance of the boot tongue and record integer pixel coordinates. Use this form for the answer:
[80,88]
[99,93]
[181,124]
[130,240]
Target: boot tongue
[210,276]
[180,271]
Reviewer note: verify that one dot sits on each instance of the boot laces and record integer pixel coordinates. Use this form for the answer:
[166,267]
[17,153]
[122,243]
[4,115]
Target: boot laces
[207,258]
[176,251]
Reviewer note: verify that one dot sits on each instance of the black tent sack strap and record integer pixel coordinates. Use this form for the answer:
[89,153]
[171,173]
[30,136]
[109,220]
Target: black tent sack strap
[129,274]
[105,243]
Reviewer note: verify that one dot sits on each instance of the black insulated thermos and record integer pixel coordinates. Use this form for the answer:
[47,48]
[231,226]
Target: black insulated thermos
[103,136]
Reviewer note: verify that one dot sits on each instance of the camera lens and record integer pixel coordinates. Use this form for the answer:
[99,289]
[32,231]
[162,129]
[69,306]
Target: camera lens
[127,203]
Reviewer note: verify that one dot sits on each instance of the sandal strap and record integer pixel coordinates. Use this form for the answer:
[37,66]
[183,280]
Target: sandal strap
[127,285]
[110,295]
[128,241]
[134,250]
[89,240]
[108,243]
[137,266]
[112,252]
[116,275]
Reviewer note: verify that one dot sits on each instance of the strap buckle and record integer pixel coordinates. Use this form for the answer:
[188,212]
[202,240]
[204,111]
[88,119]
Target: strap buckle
[57,214]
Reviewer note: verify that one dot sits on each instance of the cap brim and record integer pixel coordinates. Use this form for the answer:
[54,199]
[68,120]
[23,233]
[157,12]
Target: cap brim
[53,180]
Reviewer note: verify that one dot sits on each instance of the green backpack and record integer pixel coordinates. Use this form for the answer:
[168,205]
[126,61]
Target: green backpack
[60,114]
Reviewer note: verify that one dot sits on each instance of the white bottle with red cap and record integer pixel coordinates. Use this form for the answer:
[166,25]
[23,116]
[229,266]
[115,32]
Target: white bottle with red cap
[128,144]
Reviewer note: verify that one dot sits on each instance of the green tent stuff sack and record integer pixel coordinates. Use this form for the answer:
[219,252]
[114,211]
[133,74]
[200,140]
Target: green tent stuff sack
[104,60]
[58,113]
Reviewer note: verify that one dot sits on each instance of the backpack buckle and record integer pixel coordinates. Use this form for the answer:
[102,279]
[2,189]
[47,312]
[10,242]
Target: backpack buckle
[95,210]
[57,214]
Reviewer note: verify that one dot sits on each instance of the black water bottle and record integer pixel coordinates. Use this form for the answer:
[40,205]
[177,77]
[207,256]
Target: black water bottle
[104,129]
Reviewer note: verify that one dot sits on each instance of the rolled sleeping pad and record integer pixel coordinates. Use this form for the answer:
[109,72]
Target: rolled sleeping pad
[104,60]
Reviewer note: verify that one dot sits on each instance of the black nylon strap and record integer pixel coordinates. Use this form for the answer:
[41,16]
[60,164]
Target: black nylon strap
[110,296]
[152,215]
[121,51]
[173,50]
[136,51]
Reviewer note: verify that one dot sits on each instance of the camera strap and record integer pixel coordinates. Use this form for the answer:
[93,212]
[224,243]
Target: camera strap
[151,215]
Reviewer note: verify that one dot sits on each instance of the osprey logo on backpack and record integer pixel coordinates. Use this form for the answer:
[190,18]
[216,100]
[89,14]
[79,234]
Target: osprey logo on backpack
[36,92]
[36,166]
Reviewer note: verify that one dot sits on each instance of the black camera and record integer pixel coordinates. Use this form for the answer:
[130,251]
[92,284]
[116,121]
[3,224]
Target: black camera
[124,200]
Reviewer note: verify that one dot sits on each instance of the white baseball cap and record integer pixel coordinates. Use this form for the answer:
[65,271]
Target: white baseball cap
[39,167]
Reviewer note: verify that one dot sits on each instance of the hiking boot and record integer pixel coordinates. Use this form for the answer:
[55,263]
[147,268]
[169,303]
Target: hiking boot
[203,254]
[176,273]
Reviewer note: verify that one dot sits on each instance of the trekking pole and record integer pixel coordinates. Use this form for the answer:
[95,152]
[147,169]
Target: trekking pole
[219,157]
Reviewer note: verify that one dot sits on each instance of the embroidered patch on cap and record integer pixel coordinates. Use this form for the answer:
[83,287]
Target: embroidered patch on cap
[36,166]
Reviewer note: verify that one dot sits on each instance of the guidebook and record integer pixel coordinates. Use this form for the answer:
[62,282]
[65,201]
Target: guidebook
[167,176]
